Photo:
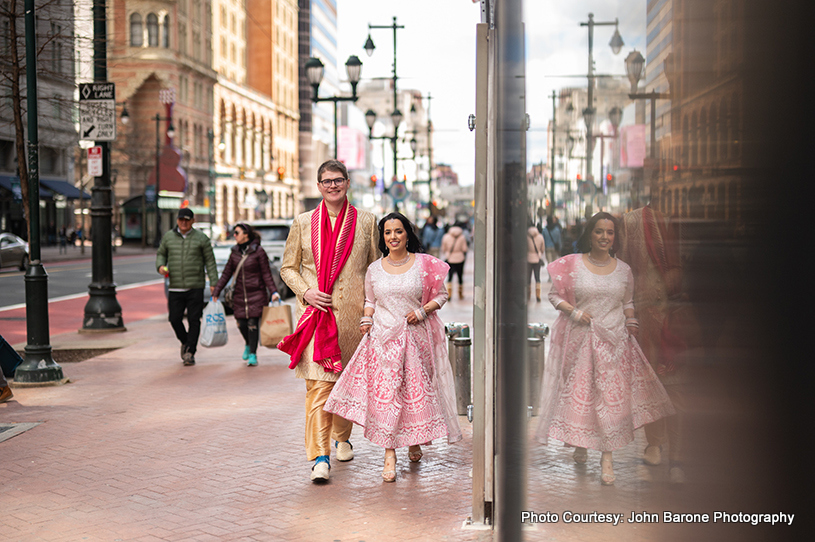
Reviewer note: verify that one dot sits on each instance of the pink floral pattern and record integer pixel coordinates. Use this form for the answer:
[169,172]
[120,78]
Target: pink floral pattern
[598,386]
[394,385]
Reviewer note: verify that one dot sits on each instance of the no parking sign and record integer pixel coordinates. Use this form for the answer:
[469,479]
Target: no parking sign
[95,161]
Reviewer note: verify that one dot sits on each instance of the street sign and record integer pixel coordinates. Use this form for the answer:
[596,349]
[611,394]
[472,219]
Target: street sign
[95,161]
[398,191]
[97,111]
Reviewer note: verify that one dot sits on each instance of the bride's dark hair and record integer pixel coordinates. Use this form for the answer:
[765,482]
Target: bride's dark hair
[584,242]
[413,243]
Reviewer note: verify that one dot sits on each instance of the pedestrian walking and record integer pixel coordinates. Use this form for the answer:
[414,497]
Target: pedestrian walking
[534,256]
[324,263]
[5,390]
[556,231]
[63,240]
[454,252]
[648,245]
[184,254]
[252,289]
[598,386]
[399,384]
[431,236]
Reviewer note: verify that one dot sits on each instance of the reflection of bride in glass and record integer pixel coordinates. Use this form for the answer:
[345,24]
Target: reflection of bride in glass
[399,384]
[598,386]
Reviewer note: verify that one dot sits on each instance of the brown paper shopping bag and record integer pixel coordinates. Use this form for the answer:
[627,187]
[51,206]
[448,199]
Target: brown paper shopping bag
[275,324]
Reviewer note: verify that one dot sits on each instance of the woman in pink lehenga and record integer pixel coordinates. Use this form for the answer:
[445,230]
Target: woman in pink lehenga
[399,385]
[598,386]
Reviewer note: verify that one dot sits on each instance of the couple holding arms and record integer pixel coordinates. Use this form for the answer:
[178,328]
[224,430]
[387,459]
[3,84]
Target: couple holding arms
[368,342]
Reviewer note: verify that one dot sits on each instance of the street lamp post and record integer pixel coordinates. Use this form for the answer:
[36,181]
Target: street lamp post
[369,49]
[211,190]
[616,45]
[396,118]
[633,67]
[102,311]
[170,133]
[314,74]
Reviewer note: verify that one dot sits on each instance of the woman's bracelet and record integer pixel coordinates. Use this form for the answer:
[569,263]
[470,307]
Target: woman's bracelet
[420,313]
[366,321]
[632,322]
[576,315]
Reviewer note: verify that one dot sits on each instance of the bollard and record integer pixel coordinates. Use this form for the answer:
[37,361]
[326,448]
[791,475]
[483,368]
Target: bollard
[461,373]
[536,341]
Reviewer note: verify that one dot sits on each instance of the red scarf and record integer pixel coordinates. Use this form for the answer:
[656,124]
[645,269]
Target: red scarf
[331,248]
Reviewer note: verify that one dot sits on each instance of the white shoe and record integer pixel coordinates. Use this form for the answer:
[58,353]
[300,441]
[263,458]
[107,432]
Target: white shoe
[652,455]
[319,472]
[345,452]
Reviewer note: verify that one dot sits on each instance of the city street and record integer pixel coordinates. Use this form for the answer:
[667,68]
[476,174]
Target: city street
[138,448]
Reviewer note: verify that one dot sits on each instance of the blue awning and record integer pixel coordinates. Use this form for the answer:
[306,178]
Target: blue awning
[65,188]
[6,180]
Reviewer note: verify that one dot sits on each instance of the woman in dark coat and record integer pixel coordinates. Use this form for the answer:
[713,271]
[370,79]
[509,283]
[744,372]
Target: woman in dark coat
[252,289]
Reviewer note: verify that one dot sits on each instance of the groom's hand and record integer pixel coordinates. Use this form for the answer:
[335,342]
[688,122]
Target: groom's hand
[317,299]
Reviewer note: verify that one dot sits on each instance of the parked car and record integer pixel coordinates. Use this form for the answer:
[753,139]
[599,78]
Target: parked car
[13,251]
[273,235]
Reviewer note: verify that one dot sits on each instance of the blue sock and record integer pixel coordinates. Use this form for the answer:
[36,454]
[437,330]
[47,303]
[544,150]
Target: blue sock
[324,459]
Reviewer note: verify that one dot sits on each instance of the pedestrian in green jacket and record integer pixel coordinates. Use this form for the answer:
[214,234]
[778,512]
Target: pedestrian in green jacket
[183,255]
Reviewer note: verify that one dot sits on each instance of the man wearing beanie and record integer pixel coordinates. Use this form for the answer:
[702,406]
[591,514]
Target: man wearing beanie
[183,255]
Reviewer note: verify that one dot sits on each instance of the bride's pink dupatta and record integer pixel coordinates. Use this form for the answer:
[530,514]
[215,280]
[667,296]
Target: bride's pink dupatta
[434,272]
[331,248]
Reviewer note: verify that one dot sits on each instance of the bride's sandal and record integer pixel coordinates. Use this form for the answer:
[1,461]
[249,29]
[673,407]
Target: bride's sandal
[607,477]
[389,474]
[415,453]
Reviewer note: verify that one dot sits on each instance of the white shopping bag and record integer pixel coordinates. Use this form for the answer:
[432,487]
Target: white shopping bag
[213,332]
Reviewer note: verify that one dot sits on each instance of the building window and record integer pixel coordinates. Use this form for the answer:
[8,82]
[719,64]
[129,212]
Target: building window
[136,32]
[165,32]
[182,40]
[152,30]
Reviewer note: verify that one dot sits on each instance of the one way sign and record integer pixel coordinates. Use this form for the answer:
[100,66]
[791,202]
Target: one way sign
[97,111]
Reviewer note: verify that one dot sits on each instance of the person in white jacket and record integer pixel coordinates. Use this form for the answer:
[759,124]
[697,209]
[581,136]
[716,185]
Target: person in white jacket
[454,251]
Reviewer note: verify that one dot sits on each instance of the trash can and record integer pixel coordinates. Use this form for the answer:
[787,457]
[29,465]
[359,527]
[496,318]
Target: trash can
[458,351]
[536,341]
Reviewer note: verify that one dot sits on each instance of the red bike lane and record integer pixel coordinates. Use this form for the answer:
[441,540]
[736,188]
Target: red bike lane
[65,315]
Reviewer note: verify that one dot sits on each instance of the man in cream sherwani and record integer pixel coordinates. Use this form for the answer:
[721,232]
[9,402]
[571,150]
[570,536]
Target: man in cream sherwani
[331,299]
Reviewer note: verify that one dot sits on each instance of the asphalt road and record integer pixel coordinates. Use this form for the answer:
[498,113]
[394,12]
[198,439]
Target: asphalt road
[71,278]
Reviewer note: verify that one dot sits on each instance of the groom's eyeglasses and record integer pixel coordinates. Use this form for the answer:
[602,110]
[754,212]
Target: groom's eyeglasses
[328,182]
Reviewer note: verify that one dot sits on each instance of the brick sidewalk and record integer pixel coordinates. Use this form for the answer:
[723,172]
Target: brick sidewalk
[139,448]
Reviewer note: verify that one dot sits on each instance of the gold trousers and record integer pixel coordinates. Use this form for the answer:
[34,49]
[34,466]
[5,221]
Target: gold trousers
[322,427]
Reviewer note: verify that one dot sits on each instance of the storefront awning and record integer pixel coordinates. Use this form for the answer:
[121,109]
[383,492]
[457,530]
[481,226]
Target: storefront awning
[6,182]
[65,188]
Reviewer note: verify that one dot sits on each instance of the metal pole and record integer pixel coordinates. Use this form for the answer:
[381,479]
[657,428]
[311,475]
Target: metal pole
[510,271]
[210,151]
[157,237]
[38,364]
[552,171]
[589,146]
[336,147]
[483,288]
[429,153]
[102,311]
[653,98]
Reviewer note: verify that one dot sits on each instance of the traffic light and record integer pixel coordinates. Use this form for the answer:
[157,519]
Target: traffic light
[610,180]
[281,173]
[579,177]
[373,181]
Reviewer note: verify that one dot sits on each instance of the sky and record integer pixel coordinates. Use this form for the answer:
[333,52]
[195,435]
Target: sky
[436,54]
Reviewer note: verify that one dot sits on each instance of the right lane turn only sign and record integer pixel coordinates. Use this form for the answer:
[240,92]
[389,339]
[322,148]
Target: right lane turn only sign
[97,111]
